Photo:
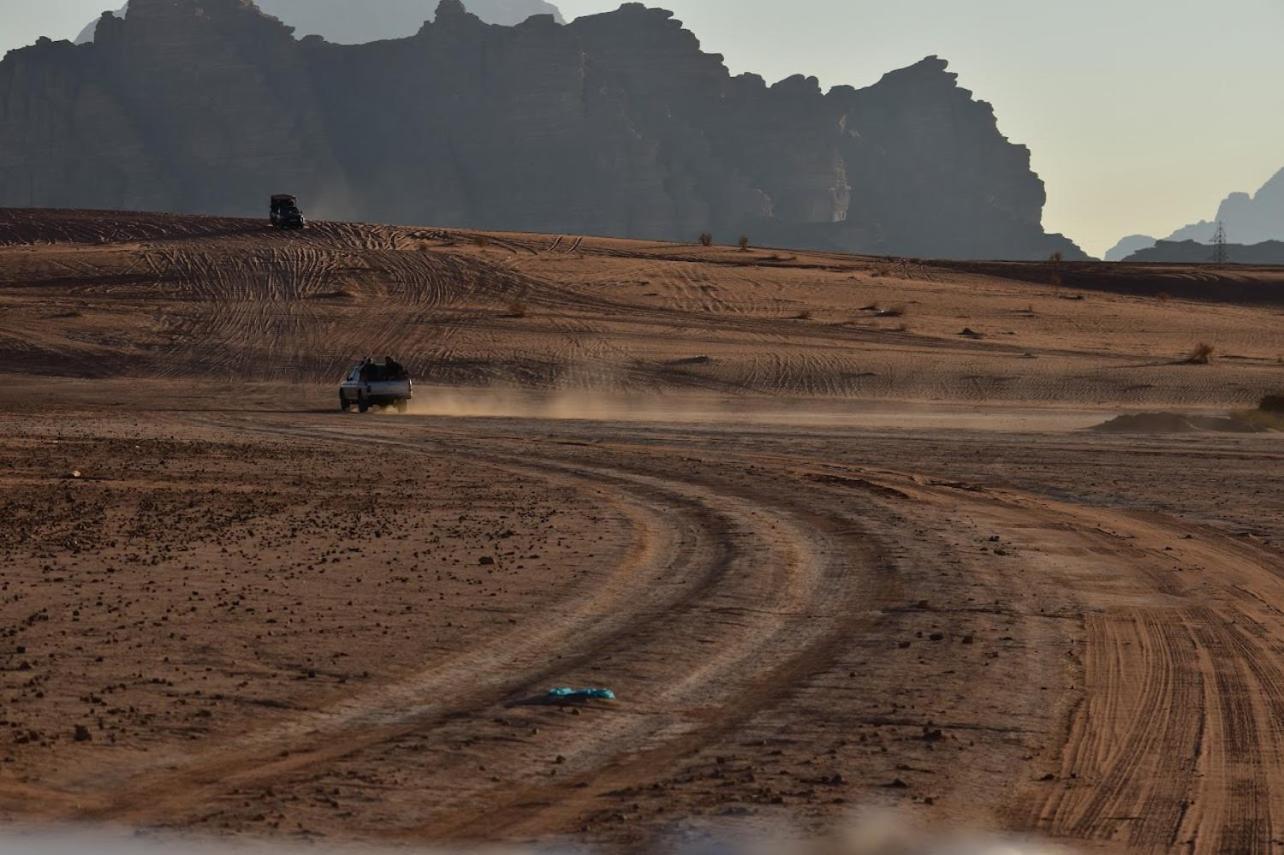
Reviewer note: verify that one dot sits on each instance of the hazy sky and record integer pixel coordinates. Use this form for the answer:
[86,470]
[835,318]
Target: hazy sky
[1142,114]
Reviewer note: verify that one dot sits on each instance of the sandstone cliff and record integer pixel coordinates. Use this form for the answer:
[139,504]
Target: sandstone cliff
[613,124]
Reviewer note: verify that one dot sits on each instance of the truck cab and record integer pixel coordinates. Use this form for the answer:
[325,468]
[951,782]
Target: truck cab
[285,213]
[376,383]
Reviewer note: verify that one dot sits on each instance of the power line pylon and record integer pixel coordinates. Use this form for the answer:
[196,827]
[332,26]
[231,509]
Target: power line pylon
[1220,254]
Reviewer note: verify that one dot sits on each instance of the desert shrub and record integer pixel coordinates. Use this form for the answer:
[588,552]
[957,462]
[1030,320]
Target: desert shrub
[804,315]
[1202,354]
[1054,261]
[706,239]
[481,241]
[516,309]
[744,243]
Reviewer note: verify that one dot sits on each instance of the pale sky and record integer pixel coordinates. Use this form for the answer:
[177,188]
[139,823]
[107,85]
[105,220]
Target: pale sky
[1142,114]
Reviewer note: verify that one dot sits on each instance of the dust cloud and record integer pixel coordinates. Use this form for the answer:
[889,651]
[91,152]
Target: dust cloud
[566,405]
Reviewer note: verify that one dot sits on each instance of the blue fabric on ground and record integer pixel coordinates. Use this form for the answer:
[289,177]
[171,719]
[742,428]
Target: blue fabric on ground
[582,694]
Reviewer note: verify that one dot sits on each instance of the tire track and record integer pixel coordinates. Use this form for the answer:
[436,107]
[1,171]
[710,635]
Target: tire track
[702,545]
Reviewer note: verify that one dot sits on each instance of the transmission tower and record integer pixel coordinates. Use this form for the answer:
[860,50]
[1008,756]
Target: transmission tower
[1220,255]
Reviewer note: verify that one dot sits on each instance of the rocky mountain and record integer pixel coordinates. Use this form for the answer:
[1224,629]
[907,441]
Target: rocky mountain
[613,124]
[1195,252]
[1128,246]
[1249,219]
[349,22]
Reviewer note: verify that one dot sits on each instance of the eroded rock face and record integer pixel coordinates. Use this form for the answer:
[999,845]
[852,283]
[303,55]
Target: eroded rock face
[614,124]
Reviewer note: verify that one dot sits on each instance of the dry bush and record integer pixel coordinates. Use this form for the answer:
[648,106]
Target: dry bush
[481,241]
[1202,354]
[1163,296]
[516,309]
[706,239]
[1054,261]
[744,243]
[804,315]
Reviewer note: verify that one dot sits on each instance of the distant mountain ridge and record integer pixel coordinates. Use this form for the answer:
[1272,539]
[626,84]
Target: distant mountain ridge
[352,22]
[614,124]
[1129,245]
[1248,220]
[1194,252]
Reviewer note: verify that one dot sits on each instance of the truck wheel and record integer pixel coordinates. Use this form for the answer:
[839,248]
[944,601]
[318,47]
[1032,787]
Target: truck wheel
[402,406]
[363,406]
[343,403]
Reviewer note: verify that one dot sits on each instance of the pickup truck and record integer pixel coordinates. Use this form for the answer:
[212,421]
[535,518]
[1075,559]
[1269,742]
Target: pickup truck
[376,383]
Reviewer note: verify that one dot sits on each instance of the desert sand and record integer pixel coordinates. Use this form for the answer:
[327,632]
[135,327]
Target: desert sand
[837,531]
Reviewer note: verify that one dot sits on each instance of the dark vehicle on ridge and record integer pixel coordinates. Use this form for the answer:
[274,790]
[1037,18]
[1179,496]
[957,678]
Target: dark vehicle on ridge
[285,213]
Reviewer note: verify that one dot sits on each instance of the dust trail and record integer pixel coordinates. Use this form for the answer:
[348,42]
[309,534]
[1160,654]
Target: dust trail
[565,405]
[588,404]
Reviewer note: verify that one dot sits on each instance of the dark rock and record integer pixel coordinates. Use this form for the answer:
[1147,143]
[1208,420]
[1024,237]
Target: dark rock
[614,124]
